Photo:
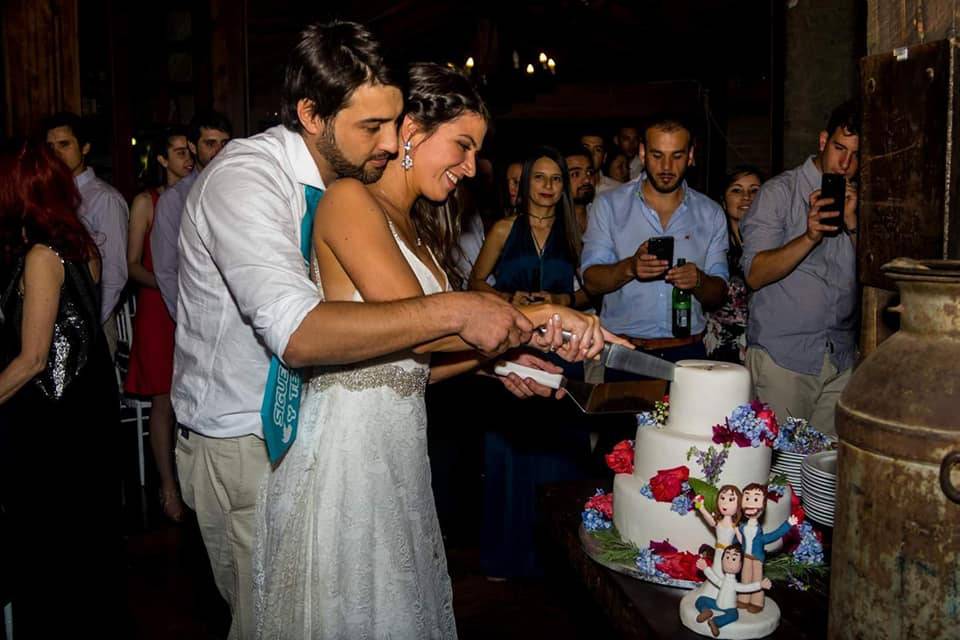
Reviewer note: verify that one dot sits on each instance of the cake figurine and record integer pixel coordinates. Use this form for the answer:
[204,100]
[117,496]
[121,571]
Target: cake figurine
[752,504]
[725,603]
[724,520]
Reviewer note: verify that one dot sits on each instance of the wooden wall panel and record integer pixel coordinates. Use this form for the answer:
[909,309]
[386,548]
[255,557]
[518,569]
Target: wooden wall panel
[907,158]
[41,61]
[902,23]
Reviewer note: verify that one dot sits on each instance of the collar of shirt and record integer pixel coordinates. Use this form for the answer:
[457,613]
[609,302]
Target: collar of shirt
[86,176]
[811,174]
[298,155]
[651,213]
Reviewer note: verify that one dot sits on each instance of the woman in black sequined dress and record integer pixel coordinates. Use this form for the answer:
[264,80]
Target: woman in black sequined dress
[59,411]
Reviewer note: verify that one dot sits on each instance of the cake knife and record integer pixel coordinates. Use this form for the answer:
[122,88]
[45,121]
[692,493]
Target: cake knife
[615,356]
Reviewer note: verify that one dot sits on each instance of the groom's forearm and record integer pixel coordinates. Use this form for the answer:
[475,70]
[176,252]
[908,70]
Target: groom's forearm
[345,332]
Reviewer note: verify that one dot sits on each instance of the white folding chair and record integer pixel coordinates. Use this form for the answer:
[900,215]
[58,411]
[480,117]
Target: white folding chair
[132,410]
[8,621]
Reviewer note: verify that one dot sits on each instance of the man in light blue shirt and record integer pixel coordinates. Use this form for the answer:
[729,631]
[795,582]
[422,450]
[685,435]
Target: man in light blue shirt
[637,287]
[801,335]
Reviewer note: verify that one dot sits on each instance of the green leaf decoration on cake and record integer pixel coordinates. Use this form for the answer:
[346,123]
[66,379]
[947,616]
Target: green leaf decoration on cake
[707,490]
[615,549]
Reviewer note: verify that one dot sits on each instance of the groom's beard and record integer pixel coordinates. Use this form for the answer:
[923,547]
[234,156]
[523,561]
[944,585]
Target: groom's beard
[327,146]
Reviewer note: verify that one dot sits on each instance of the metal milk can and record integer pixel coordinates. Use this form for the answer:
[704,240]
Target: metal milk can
[896,543]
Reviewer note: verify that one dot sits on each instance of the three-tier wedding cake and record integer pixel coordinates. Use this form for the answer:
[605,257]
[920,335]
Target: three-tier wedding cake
[699,447]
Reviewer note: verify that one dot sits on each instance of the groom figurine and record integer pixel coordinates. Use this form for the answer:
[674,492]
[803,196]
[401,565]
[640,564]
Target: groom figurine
[753,501]
[725,602]
[245,296]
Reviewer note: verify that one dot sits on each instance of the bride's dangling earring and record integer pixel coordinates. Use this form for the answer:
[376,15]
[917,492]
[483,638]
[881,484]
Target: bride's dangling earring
[407,162]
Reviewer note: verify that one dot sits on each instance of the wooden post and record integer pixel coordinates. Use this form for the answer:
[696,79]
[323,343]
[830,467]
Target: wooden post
[228,54]
[41,61]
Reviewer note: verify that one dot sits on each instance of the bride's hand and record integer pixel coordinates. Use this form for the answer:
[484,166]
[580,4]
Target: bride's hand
[528,387]
[588,336]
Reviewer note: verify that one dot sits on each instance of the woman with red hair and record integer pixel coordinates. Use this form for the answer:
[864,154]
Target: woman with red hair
[59,406]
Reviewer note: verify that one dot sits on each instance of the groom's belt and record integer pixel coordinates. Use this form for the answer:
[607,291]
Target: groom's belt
[657,344]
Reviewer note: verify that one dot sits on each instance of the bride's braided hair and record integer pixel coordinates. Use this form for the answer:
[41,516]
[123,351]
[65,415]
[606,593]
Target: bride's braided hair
[435,95]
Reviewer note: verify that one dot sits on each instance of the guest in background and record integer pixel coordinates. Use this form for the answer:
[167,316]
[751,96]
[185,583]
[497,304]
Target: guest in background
[725,337]
[582,182]
[514,170]
[593,142]
[209,133]
[628,141]
[534,257]
[801,338]
[102,210]
[618,168]
[534,254]
[59,409]
[151,354]
[636,285]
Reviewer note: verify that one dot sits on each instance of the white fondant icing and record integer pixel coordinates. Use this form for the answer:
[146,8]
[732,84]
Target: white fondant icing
[704,393]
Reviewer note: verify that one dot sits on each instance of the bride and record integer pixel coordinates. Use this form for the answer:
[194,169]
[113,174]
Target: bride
[348,544]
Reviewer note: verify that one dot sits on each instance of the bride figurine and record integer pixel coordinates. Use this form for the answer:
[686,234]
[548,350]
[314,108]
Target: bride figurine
[724,520]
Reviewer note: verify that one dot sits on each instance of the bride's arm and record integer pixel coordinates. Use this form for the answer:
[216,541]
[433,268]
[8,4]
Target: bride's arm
[351,224]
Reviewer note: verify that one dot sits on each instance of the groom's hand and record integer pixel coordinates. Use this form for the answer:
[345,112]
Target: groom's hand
[490,324]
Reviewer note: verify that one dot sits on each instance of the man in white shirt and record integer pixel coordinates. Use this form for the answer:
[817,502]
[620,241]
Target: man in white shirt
[245,295]
[628,140]
[103,212]
[726,600]
[593,142]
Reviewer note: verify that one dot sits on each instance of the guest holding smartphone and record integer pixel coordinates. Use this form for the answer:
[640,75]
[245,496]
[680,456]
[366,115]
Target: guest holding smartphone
[623,262]
[801,342]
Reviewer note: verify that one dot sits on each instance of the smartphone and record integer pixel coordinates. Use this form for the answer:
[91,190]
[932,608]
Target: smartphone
[662,247]
[833,185]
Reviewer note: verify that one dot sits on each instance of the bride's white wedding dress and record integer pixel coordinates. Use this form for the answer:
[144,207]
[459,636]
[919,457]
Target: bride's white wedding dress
[348,544]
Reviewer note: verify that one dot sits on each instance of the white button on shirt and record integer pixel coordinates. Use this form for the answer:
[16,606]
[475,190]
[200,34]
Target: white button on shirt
[244,286]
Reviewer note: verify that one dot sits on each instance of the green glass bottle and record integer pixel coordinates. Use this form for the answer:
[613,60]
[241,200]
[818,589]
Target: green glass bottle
[681,309]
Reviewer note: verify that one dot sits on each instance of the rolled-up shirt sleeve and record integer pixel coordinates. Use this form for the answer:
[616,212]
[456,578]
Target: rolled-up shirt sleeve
[715,263]
[163,245]
[247,225]
[598,245]
[109,215]
[763,227]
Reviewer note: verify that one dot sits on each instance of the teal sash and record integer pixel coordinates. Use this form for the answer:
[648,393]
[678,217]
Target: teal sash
[280,411]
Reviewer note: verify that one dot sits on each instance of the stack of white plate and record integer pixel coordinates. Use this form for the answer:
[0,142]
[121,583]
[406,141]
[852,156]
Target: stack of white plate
[819,483]
[789,464]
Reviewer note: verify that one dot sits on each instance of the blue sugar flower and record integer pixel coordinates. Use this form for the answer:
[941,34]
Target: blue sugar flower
[593,520]
[645,490]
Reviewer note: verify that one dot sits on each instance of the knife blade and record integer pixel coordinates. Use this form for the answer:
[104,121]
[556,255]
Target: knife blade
[639,362]
[618,357]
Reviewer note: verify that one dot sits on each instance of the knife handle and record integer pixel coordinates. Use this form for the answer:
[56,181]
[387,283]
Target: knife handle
[547,379]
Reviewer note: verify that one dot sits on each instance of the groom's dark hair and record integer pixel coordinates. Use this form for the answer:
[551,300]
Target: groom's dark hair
[329,62]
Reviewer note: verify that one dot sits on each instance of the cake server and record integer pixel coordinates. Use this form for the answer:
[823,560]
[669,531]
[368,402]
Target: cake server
[608,397]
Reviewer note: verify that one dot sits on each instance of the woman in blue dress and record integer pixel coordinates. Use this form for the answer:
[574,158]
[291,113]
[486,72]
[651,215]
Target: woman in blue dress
[533,256]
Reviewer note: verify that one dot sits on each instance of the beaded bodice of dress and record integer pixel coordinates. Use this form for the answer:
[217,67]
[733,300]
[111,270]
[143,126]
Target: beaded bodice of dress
[406,373]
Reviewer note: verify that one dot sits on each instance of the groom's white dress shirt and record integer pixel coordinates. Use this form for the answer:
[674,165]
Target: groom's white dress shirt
[244,287]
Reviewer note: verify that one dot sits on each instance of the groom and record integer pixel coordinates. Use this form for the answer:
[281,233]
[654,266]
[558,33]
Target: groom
[245,295]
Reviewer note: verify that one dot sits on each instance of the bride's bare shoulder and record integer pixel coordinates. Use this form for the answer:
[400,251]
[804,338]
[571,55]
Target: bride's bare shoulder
[346,188]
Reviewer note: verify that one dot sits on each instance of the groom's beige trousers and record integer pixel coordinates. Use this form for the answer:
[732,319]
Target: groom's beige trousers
[219,478]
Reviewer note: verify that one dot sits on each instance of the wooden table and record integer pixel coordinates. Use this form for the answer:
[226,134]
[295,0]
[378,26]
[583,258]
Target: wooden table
[641,610]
